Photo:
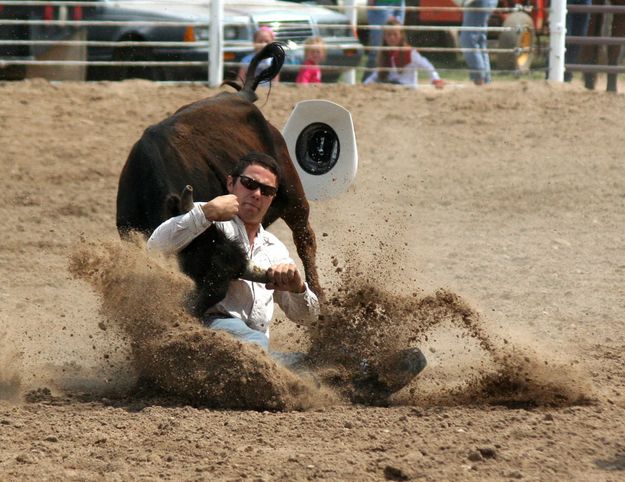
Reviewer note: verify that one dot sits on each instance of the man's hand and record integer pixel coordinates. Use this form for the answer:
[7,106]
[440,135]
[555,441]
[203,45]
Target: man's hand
[221,208]
[285,277]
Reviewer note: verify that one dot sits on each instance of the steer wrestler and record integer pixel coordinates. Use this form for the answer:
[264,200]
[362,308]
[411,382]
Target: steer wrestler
[247,309]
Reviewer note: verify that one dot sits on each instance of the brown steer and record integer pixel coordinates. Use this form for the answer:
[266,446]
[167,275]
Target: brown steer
[198,146]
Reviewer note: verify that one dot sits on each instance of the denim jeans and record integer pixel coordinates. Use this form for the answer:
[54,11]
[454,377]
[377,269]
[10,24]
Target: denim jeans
[410,362]
[238,329]
[478,62]
[576,25]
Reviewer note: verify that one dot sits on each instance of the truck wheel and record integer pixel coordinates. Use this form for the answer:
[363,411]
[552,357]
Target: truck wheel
[129,54]
[522,37]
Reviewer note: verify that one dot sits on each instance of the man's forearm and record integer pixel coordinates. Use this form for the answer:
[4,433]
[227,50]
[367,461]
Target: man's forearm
[176,233]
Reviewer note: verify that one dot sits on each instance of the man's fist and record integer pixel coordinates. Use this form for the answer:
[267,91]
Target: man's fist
[285,277]
[221,208]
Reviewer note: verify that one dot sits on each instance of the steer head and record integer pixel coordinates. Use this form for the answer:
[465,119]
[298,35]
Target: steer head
[211,259]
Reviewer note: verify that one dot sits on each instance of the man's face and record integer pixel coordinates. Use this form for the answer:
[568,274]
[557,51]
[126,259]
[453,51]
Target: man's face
[253,204]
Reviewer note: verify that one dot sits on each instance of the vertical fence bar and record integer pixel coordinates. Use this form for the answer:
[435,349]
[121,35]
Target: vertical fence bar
[557,33]
[352,13]
[216,46]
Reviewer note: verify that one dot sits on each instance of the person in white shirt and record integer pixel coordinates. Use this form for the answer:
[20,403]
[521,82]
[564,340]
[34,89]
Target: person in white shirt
[399,63]
[247,309]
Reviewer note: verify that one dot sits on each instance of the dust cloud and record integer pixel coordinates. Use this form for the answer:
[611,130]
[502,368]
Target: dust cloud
[146,296]
[143,298]
[363,321]
[10,369]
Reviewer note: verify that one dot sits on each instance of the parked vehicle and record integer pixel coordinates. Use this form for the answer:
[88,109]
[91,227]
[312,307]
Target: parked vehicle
[22,32]
[343,6]
[529,22]
[291,23]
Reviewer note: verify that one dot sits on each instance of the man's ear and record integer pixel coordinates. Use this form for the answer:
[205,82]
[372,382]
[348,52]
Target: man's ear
[230,184]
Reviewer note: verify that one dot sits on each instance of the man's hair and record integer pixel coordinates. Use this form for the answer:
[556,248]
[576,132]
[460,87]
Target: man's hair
[259,159]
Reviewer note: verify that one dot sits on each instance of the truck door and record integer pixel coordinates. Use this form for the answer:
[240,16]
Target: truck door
[14,32]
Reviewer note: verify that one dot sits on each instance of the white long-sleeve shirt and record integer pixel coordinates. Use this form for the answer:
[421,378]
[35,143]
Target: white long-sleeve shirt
[249,301]
[408,74]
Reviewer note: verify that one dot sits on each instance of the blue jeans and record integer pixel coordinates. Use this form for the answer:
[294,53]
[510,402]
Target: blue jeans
[478,61]
[576,25]
[409,363]
[238,329]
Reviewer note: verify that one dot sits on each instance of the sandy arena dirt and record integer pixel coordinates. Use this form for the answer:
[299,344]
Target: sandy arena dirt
[485,226]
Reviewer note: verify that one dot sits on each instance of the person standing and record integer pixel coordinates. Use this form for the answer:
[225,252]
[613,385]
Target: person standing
[576,25]
[477,59]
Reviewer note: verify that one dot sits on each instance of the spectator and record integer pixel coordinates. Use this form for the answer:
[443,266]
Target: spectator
[393,9]
[314,55]
[477,60]
[262,37]
[400,64]
[576,25]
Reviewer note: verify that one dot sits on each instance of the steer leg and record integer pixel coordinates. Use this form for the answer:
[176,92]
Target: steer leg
[589,53]
[305,243]
[614,51]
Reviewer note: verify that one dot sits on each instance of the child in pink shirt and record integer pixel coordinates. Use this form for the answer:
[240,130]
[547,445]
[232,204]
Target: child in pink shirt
[314,55]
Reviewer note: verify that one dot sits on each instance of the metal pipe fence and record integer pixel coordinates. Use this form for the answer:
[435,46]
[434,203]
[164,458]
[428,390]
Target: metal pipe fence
[221,53]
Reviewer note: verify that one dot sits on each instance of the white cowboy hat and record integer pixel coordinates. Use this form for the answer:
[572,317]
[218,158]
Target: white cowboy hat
[322,144]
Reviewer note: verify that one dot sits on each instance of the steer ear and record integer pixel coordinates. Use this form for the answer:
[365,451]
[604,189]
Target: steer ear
[176,205]
[253,77]
[186,199]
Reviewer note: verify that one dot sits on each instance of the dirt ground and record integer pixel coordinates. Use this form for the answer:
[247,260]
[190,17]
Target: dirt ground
[510,198]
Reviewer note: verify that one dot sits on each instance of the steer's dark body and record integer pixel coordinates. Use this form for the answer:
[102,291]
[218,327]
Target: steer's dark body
[199,145]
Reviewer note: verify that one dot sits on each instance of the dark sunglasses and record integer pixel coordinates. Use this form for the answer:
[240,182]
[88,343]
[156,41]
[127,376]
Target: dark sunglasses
[252,185]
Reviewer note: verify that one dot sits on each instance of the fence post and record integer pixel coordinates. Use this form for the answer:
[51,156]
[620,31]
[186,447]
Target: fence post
[216,46]
[352,14]
[557,33]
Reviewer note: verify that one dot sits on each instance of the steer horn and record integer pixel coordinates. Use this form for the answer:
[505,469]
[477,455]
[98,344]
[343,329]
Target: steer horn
[252,272]
[186,199]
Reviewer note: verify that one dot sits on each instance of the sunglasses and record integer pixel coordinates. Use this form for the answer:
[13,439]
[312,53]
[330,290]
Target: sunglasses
[252,185]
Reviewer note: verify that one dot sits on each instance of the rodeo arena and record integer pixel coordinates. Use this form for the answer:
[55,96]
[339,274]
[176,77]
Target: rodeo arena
[338,240]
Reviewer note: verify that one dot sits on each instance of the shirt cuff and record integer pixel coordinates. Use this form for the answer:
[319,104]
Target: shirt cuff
[199,219]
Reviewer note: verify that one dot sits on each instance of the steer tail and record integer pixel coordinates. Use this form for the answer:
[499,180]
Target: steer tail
[273,51]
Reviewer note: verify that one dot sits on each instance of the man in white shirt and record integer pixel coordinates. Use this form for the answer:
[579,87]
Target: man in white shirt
[247,309]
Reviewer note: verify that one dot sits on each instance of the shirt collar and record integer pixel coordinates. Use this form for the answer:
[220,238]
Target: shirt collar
[261,235]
